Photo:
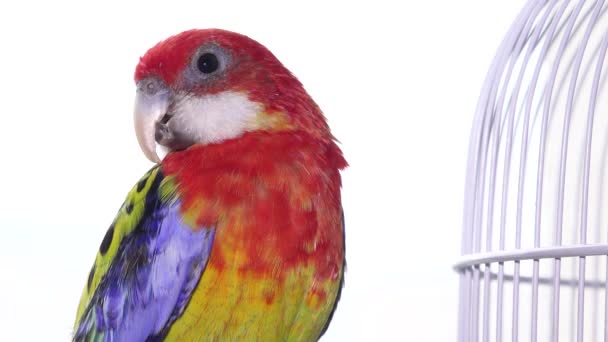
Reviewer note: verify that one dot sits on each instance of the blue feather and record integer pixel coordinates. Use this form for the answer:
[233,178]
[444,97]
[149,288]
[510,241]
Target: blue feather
[150,281]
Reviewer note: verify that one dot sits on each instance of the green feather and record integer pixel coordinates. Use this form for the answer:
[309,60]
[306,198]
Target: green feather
[128,217]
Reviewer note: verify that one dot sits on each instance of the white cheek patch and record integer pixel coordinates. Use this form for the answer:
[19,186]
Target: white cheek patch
[213,118]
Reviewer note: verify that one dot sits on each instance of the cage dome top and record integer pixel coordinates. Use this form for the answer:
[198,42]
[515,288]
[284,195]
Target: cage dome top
[536,195]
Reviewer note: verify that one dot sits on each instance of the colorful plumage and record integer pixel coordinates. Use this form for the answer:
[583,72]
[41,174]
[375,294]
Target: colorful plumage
[237,233]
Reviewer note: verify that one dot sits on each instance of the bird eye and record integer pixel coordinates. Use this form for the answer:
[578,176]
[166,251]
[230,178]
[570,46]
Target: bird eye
[207,63]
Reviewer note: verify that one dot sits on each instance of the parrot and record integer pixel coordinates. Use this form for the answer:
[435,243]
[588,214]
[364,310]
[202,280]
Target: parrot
[237,232]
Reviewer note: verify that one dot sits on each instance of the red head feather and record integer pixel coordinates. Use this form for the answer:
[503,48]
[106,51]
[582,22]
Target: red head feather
[254,70]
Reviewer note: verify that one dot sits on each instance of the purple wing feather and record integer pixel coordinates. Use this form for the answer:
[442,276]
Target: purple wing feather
[151,279]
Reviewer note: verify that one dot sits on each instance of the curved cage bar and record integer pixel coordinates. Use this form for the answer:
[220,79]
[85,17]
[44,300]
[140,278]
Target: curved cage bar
[534,262]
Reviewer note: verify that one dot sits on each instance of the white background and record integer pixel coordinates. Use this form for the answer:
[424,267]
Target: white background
[398,82]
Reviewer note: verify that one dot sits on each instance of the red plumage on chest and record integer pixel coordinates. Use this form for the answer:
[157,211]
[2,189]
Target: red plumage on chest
[274,198]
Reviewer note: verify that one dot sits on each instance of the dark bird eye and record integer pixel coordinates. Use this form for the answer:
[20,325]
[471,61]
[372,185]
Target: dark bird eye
[207,63]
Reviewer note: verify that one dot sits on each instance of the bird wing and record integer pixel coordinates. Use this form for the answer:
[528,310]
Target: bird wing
[146,268]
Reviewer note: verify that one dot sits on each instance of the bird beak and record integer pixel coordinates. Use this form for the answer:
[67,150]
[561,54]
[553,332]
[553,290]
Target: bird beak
[151,103]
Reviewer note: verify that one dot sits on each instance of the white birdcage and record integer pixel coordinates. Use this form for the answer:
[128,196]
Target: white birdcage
[535,231]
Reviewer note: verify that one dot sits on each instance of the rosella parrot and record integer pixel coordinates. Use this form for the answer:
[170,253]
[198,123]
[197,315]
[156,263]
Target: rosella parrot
[237,233]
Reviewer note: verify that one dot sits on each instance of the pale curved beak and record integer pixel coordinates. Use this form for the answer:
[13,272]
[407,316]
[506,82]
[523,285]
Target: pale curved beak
[151,103]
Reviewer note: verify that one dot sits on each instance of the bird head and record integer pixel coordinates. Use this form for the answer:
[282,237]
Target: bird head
[208,86]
